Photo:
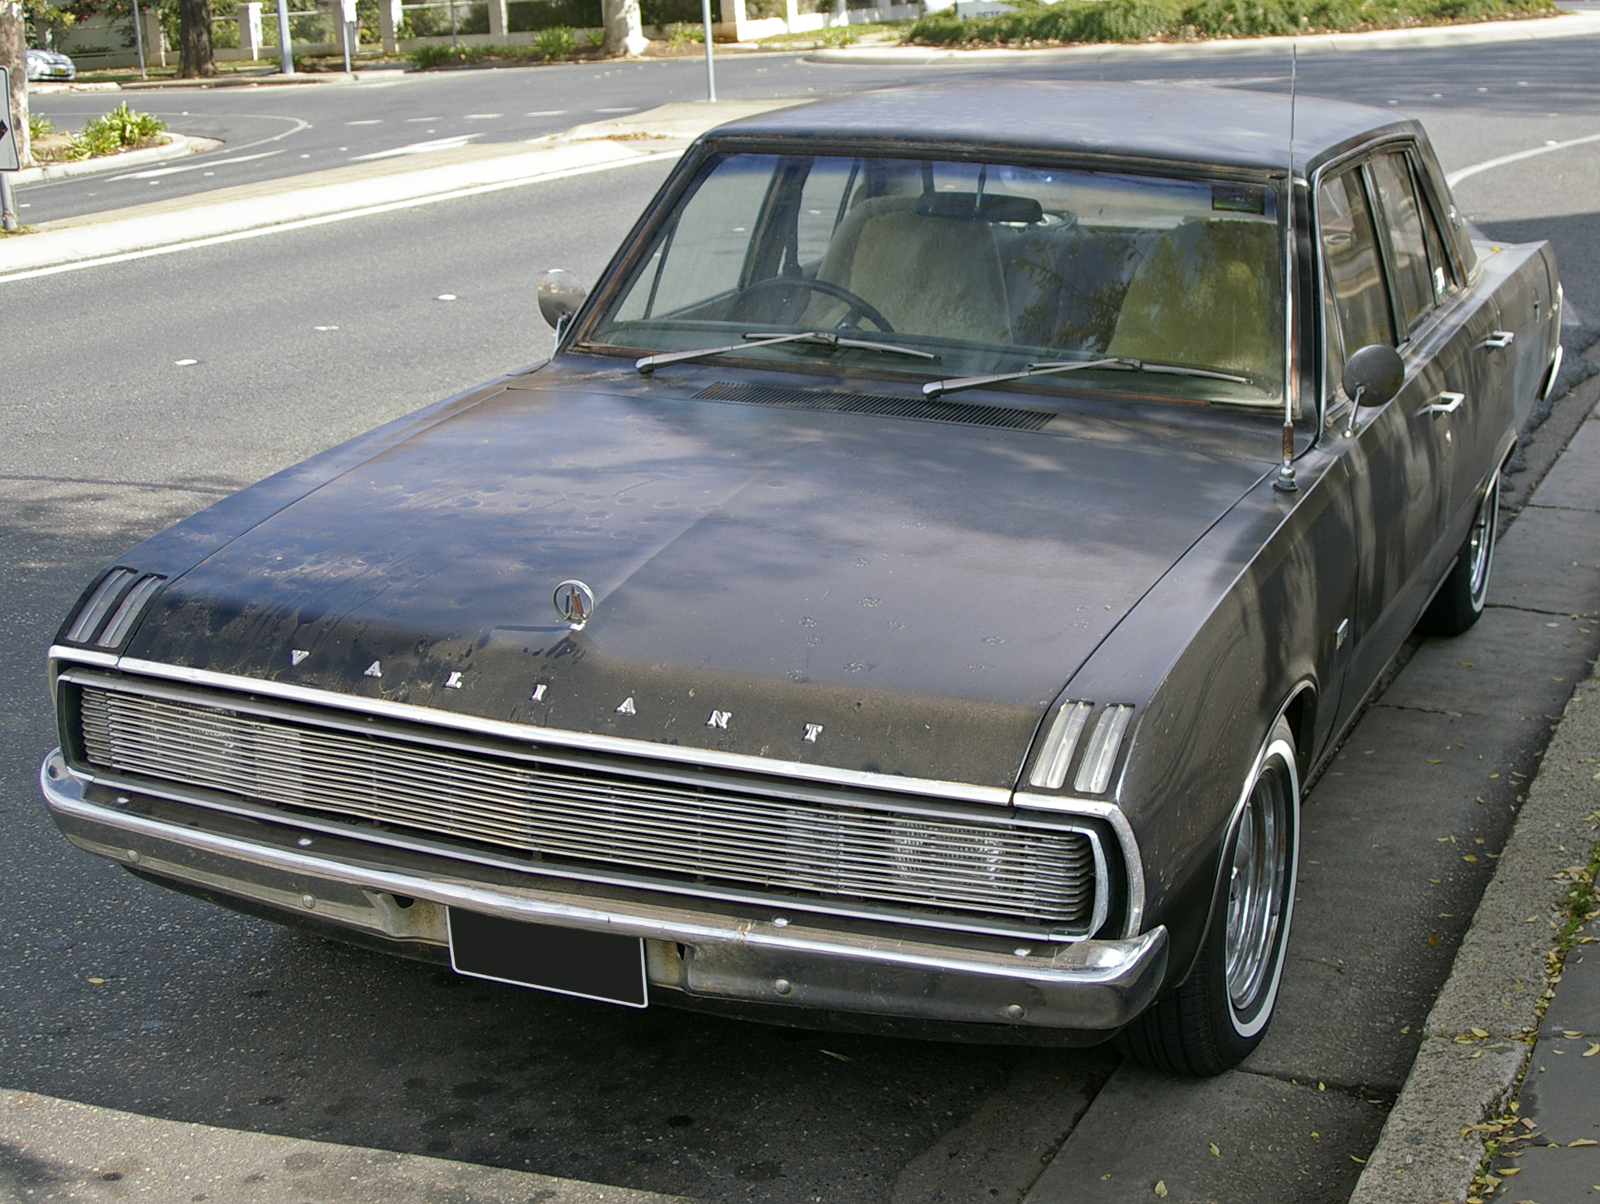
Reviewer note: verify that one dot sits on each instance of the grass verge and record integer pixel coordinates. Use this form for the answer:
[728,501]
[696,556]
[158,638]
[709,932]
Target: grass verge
[1076,21]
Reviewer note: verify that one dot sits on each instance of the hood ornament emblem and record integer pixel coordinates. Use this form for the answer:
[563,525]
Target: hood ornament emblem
[574,602]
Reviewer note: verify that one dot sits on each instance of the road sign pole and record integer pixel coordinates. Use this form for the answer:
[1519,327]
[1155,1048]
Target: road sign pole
[285,38]
[138,37]
[8,155]
[711,71]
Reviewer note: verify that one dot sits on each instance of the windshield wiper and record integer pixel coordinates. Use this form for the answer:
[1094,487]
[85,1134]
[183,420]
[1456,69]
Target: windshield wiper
[823,338]
[1119,363]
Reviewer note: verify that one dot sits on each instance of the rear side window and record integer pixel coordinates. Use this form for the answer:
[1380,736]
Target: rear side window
[1414,282]
[1354,269]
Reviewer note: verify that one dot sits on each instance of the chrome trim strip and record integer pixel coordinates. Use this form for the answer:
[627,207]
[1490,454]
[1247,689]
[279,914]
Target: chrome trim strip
[1086,964]
[971,925]
[87,621]
[861,779]
[82,656]
[1132,862]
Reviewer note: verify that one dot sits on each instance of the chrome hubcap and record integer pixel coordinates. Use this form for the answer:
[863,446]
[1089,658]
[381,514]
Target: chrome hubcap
[1257,888]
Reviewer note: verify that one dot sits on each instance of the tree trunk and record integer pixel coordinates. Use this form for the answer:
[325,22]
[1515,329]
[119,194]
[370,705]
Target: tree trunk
[624,27]
[13,57]
[194,39]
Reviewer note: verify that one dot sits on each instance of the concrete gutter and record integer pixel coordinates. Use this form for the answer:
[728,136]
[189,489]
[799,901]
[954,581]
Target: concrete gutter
[176,147]
[77,1154]
[1567,25]
[1497,983]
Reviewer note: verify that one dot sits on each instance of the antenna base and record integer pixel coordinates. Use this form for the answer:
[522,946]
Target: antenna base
[1284,482]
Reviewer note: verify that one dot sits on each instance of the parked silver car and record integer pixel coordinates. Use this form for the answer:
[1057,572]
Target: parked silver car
[50,65]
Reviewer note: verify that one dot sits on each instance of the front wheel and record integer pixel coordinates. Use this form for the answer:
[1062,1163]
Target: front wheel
[1219,1014]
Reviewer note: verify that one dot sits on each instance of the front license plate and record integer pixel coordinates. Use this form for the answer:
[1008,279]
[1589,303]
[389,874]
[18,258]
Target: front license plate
[568,961]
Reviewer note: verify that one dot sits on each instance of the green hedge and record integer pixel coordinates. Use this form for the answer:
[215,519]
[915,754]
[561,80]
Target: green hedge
[1181,20]
[524,16]
[667,12]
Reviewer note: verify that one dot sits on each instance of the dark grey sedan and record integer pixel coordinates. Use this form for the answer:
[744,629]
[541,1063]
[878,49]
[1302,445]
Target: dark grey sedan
[913,596]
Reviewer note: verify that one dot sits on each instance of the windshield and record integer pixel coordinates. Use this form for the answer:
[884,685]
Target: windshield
[989,267]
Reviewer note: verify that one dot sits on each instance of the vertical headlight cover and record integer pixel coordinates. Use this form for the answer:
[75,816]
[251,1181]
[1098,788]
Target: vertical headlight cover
[1060,742]
[1100,757]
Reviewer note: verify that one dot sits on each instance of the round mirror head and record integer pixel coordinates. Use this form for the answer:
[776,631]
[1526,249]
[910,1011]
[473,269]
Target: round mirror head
[1373,375]
[560,294]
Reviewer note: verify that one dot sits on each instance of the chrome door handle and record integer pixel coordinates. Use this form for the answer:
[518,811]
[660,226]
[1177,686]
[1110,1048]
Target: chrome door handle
[1448,403]
[1500,338]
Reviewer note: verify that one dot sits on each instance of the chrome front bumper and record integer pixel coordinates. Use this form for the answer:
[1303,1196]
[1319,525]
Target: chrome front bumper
[398,896]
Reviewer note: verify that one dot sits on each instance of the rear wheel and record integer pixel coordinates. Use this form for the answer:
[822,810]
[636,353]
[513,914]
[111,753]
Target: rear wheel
[1459,602]
[1220,1013]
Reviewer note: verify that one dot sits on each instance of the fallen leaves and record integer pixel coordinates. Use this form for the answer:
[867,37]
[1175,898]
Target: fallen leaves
[1594,1048]
[1161,1188]
[1215,1153]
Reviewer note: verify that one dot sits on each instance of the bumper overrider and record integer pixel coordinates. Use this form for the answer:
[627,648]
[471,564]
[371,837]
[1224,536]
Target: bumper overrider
[400,896]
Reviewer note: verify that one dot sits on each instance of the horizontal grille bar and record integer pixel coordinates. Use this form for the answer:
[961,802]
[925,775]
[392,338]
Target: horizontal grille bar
[588,816]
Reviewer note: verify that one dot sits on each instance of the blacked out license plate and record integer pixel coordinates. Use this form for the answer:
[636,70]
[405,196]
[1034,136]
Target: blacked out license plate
[568,961]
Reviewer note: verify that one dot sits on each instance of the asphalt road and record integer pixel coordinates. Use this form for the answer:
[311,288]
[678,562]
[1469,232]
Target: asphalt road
[304,338]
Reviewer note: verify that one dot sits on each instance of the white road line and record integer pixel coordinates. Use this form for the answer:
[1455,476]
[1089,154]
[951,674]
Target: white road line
[209,163]
[547,113]
[417,148]
[628,109]
[1456,177]
[418,120]
[367,121]
[331,218]
[482,116]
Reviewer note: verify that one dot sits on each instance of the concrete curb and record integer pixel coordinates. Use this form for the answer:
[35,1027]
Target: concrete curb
[1568,25]
[1497,980]
[72,1152]
[40,89]
[176,147]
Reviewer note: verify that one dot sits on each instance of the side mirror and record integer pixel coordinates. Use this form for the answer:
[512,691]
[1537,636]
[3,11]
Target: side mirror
[1373,375]
[560,294]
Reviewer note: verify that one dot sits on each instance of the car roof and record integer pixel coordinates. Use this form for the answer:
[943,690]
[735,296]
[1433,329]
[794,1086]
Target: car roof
[1184,123]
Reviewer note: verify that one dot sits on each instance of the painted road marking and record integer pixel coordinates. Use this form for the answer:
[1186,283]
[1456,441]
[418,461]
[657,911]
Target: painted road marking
[418,148]
[1456,177]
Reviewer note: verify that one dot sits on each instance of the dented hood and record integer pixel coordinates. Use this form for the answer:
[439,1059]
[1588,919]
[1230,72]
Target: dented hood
[850,590]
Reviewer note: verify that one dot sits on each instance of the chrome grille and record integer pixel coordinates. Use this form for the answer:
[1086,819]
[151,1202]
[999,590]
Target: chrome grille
[720,833]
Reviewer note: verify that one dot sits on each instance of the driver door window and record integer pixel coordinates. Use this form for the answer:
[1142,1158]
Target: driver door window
[1354,269]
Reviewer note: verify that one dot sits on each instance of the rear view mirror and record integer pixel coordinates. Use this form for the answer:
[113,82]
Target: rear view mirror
[560,294]
[1373,375]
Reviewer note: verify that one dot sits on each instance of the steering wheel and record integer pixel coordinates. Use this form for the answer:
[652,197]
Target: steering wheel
[860,307]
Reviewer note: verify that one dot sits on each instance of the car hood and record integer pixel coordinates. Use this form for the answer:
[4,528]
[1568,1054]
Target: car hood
[850,590]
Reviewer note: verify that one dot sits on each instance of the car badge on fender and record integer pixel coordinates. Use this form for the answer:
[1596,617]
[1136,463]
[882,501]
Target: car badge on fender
[575,603]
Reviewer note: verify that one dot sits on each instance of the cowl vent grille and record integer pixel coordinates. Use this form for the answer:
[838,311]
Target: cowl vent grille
[874,403]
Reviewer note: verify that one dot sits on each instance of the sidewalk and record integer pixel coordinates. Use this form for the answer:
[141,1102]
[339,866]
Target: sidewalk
[73,1153]
[1573,24]
[1512,1046]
